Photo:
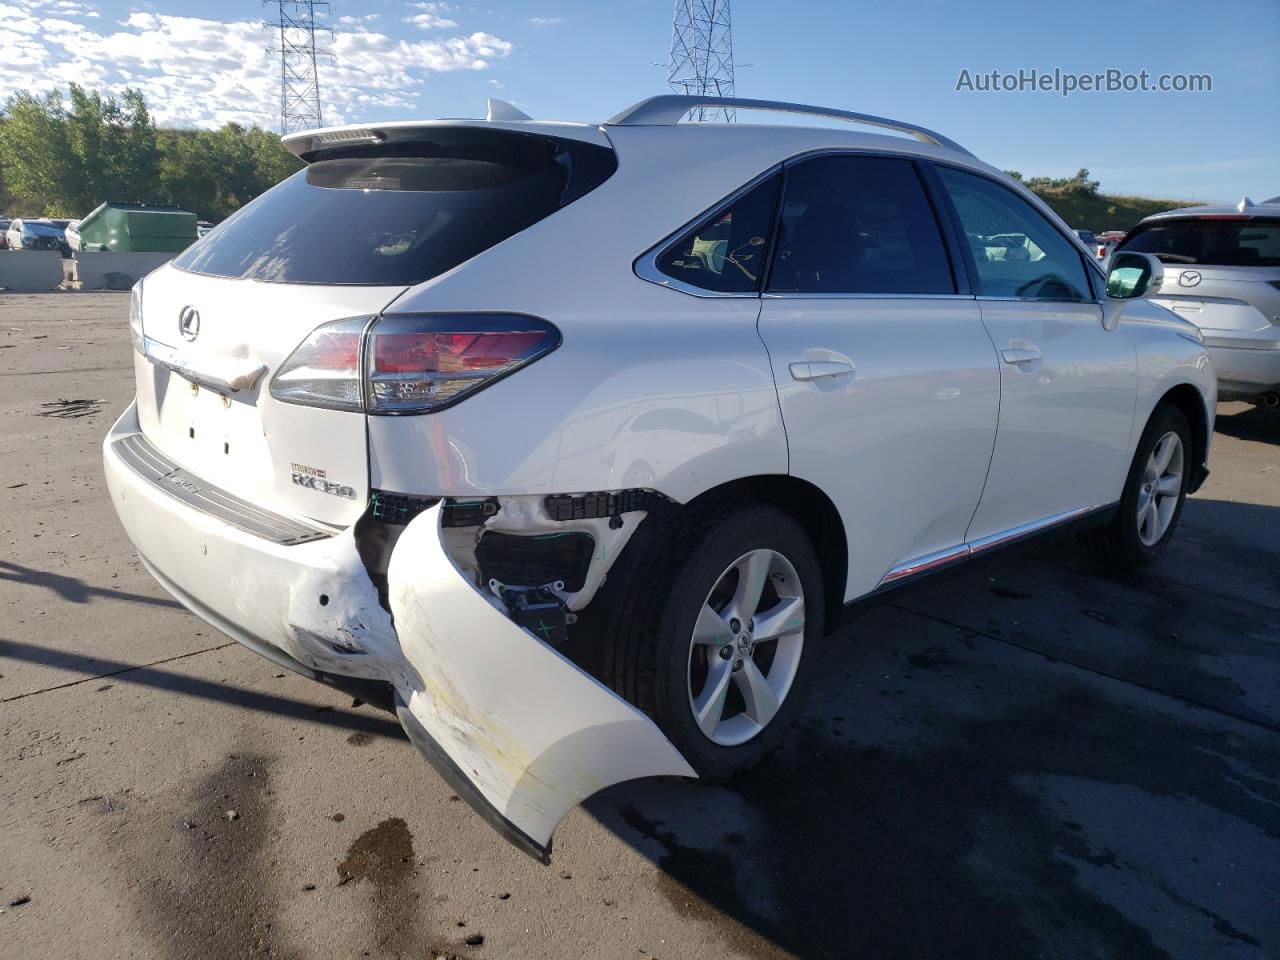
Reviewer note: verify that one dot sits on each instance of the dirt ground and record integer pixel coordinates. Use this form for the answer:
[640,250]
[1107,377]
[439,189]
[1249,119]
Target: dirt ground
[1027,759]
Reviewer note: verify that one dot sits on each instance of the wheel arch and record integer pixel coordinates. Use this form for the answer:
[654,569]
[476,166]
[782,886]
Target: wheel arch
[816,514]
[1187,398]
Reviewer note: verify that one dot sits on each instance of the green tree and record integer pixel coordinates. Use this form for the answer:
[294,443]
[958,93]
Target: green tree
[35,154]
[58,160]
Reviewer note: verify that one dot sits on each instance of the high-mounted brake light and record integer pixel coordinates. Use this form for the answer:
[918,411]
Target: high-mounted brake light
[411,364]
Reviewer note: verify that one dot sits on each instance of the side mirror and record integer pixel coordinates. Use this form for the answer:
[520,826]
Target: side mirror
[1131,276]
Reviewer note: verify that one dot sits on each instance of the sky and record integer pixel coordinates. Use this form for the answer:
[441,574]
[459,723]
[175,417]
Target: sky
[206,62]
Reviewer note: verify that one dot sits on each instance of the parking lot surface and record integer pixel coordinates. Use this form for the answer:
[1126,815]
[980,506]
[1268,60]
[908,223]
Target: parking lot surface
[1030,758]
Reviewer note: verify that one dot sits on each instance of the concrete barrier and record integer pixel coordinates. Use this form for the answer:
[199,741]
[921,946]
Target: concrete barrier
[30,270]
[105,270]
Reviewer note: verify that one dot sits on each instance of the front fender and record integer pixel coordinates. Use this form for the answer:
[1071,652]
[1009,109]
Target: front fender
[519,731]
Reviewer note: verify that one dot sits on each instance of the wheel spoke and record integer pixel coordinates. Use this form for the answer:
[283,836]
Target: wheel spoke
[708,708]
[1147,521]
[786,616]
[711,628]
[753,571]
[1169,485]
[1163,453]
[761,701]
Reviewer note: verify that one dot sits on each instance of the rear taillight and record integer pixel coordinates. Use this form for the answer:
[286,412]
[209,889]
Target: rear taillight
[325,370]
[410,364]
[135,318]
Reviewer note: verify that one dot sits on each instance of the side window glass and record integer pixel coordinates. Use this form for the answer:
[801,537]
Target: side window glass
[853,224]
[1017,252]
[725,253]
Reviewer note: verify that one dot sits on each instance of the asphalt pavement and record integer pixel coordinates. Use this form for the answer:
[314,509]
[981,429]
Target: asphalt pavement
[1029,758]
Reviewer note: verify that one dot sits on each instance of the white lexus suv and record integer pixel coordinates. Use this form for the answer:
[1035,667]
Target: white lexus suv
[572,440]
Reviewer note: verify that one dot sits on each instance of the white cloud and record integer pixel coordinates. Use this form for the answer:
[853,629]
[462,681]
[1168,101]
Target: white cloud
[546,21]
[429,21]
[430,18]
[200,72]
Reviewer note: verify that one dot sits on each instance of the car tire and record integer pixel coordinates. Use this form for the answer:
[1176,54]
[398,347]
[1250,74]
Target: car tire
[651,658]
[1146,519]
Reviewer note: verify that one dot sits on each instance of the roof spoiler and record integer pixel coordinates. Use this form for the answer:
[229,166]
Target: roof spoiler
[671,108]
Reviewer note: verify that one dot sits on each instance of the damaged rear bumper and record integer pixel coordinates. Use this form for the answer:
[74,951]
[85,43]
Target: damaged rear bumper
[519,731]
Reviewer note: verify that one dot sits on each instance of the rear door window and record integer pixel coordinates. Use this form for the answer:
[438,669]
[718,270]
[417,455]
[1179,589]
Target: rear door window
[1015,250]
[1211,241]
[400,213]
[860,225]
[725,253]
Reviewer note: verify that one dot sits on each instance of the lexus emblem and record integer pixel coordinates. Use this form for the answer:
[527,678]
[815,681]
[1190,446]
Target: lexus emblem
[1188,278]
[189,322]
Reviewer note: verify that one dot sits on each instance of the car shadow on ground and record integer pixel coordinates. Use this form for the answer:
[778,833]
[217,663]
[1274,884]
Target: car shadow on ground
[73,589]
[1254,423]
[956,792]
[111,672]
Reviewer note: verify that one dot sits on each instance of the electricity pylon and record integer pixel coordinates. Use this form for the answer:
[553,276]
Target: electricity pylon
[299,71]
[701,61]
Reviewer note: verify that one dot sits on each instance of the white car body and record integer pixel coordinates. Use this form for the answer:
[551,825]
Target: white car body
[928,428]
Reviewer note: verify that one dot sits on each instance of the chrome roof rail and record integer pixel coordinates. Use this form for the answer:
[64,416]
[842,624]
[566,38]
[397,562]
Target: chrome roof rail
[670,108]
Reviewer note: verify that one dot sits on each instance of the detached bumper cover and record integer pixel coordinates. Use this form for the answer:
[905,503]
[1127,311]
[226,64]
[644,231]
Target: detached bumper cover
[517,730]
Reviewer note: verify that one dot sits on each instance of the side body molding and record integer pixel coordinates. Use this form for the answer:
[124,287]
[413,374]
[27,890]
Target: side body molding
[521,732]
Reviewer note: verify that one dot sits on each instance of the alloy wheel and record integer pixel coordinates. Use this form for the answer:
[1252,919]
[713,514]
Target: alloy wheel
[746,647]
[1161,486]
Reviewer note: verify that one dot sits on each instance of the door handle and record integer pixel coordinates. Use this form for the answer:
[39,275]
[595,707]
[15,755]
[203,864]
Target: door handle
[1016,355]
[820,369]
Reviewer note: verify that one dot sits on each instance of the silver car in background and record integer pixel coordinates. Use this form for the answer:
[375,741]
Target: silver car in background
[1222,272]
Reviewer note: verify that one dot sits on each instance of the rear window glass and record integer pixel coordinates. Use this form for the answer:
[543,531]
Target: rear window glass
[1234,242]
[400,213]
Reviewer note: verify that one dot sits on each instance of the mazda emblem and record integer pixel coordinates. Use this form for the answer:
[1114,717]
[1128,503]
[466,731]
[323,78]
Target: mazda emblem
[189,322]
[1189,278]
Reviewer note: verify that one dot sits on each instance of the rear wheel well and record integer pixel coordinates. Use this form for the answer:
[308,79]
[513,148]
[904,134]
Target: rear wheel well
[1187,399]
[813,510]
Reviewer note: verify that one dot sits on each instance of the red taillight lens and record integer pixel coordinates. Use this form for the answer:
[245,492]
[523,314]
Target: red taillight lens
[421,363]
[411,364]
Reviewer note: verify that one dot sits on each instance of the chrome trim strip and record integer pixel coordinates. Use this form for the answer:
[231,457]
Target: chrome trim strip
[926,563]
[136,451]
[931,562]
[796,295]
[242,377]
[1036,526]
[980,297]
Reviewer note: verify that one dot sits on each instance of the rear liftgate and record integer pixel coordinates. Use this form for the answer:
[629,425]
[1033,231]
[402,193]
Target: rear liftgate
[519,731]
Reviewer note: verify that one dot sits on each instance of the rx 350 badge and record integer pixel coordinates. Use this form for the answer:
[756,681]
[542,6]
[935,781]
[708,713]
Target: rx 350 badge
[316,479]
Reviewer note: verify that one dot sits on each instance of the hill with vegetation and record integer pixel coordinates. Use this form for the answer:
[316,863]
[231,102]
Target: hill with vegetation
[1077,200]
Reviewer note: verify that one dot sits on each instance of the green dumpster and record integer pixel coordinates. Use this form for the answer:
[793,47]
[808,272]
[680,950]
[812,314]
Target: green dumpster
[137,228]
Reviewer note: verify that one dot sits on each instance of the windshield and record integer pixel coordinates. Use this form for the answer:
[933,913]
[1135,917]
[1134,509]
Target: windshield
[400,213]
[1212,241]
